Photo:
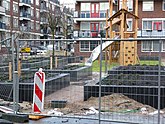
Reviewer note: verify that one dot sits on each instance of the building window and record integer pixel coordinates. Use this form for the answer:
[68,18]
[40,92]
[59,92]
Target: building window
[148,5]
[6,4]
[151,46]
[85,10]
[103,8]
[85,26]
[163,46]
[7,20]
[37,26]
[85,6]
[15,22]
[130,5]
[93,45]
[37,14]
[147,25]
[32,25]
[129,23]
[163,5]
[87,46]
[84,46]
[15,8]
[157,25]
[32,14]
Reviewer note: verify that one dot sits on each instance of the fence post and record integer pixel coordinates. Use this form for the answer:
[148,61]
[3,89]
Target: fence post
[19,68]
[56,62]
[15,92]
[10,71]
[51,62]
[159,84]
[100,78]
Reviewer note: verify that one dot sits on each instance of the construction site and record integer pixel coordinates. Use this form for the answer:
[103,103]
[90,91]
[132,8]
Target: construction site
[113,85]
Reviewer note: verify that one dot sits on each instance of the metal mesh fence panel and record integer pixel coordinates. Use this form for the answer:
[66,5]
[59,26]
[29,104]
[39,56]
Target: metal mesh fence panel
[131,93]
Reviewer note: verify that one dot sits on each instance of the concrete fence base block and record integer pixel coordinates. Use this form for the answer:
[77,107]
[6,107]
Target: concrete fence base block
[15,118]
[3,121]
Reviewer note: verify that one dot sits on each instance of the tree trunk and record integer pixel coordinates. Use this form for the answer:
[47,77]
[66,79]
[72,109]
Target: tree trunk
[53,51]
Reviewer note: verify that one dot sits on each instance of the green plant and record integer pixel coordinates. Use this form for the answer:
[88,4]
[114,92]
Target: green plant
[96,66]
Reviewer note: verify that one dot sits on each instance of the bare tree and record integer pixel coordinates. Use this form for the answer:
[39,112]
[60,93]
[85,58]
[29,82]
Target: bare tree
[54,19]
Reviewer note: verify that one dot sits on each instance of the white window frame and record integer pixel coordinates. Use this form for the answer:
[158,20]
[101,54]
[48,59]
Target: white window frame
[84,49]
[85,23]
[147,4]
[130,5]
[163,5]
[15,7]
[130,28]
[152,47]
[153,20]
[85,6]
[163,46]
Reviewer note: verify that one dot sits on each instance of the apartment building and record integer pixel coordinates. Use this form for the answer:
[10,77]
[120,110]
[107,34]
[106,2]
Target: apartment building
[90,16]
[151,24]
[28,19]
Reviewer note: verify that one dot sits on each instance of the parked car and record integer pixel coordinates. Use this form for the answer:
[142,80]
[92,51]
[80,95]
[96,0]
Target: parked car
[39,49]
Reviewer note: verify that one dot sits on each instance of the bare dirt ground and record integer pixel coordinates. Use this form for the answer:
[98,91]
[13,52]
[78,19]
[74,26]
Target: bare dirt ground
[74,95]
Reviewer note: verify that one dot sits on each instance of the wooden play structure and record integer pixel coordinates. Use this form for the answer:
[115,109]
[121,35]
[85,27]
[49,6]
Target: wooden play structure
[123,52]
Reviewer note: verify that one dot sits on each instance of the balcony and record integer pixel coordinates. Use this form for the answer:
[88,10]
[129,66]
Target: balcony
[151,33]
[87,34]
[86,16]
[2,26]
[25,3]
[25,28]
[2,11]
[25,16]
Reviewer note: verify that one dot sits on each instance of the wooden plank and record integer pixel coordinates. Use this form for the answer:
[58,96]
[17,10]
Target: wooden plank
[36,117]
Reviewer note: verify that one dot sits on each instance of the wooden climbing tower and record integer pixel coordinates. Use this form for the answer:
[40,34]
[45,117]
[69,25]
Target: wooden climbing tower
[123,52]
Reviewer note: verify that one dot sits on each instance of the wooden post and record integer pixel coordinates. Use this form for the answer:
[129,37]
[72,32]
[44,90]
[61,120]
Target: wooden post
[136,30]
[19,68]
[51,62]
[10,71]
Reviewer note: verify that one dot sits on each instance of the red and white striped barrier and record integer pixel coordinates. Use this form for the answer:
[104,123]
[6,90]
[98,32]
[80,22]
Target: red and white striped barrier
[39,91]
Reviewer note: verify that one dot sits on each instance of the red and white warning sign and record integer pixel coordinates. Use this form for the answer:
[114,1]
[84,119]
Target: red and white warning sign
[39,91]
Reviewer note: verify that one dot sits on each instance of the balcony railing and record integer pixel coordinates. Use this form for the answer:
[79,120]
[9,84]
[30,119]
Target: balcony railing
[2,10]
[87,34]
[151,33]
[87,14]
[2,25]
[25,1]
[25,14]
